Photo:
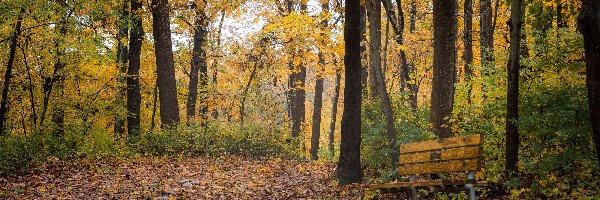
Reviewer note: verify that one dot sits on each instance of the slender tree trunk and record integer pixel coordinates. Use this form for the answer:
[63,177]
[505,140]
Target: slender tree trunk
[512,112]
[348,167]
[386,104]
[30,88]
[154,106]
[468,43]
[444,65]
[215,112]
[134,97]
[363,45]
[167,88]
[297,83]
[374,17]
[334,103]
[8,74]
[412,85]
[318,99]
[413,17]
[58,78]
[486,35]
[198,66]
[122,55]
[589,26]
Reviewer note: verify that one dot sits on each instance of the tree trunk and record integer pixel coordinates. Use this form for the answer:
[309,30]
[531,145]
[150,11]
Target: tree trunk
[167,85]
[122,55]
[589,26]
[444,65]
[348,167]
[297,83]
[468,43]
[198,66]
[134,97]
[486,34]
[334,103]
[154,105]
[215,111]
[512,108]
[363,45]
[374,17]
[58,116]
[318,100]
[413,17]
[386,104]
[8,74]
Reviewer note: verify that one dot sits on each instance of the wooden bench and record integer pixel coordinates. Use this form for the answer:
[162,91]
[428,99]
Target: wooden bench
[456,154]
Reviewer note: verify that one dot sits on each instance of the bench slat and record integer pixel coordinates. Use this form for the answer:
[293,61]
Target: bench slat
[460,141]
[448,166]
[443,155]
[419,184]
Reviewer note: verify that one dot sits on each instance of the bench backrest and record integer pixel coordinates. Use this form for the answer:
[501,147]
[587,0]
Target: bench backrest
[456,154]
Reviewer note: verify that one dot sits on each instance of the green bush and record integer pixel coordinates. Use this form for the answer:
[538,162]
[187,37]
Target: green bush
[19,152]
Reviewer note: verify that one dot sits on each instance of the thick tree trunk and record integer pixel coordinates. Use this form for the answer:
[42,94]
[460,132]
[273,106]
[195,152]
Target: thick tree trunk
[334,103]
[512,108]
[134,97]
[318,100]
[198,68]
[122,55]
[167,85]
[444,65]
[589,26]
[374,17]
[486,35]
[348,167]
[8,73]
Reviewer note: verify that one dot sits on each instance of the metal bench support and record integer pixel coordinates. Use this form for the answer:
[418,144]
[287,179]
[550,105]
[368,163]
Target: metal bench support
[413,190]
[471,186]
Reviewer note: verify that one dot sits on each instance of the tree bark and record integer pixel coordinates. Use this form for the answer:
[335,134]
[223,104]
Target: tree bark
[363,45]
[512,108]
[318,99]
[8,74]
[348,167]
[444,65]
[198,68]
[374,17]
[589,26]
[486,34]
[134,97]
[334,103]
[297,83]
[122,55]
[58,78]
[468,44]
[167,85]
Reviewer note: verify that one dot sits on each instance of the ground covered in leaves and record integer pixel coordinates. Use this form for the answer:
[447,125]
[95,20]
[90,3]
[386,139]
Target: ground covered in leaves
[190,178]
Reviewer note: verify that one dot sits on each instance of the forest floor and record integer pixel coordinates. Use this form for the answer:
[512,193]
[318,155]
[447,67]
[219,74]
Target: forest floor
[228,177]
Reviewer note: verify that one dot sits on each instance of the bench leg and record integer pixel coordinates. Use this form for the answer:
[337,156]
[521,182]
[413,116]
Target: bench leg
[413,190]
[471,176]
[413,193]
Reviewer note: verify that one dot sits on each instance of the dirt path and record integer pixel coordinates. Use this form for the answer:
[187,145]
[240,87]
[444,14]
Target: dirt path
[188,178]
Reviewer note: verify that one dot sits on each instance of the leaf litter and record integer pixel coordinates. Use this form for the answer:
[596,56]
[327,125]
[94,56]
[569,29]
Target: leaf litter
[225,177]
